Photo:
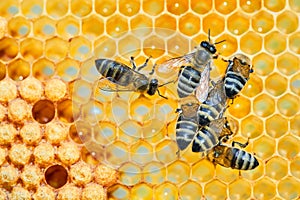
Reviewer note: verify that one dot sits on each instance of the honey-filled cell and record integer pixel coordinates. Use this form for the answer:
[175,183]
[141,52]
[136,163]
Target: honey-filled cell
[92,26]
[81,8]
[80,48]
[116,26]
[32,8]
[2,71]
[238,23]
[105,7]
[250,6]
[43,69]
[18,69]
[225,7]
[31,49]
[57,8]
[201,7]
[44,27]
[129,8]
[52,52]
[215,23]
[251,43]
[19,27]
[9,48]
[68,27]
[177,7]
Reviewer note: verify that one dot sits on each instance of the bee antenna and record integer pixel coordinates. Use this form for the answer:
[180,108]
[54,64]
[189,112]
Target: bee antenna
[220,42]
[209,35]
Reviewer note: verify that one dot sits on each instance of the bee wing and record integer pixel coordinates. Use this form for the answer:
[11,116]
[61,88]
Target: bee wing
[109,85]
[174,63]
[203,89]
[217,125]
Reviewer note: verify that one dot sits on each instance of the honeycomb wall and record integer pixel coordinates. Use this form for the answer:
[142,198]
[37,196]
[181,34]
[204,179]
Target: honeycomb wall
[63,138]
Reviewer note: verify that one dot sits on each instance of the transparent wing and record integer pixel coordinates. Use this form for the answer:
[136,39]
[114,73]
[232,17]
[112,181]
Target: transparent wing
[217,125]
[174,63]
[203,89]
[109,85]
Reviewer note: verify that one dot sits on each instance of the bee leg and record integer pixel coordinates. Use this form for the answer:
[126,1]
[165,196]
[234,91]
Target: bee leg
[240,144]
[225,60]
[178,153]
[153,68]
[145,64]
[132,62]
[161,95]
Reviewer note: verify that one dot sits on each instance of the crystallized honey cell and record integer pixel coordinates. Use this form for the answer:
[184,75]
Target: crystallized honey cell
[105,175]
[56,176]
[20,193]
[55,89]
[81,173]
[8,176]
[44,192]
[69,192]
[19,154]
[8,90]
[68,153]
[44,154]
[31,133]
[93,192]
[7,134]
[31,89]
[31,176]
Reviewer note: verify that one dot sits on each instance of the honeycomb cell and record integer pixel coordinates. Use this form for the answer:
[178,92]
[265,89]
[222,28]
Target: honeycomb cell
[19,27]
[166,191]
[166,151]
[56,132]
[275,43]
[264,189]
[252,127]
[56,176]
[20,193]
[116,26]
[104,132]
[141,152]
[43,111]
[276,168]
[93,191]
[140,25]
[105,7]
[225,7]
[68,69]
[31,89]
[154,173]
[105,47]
[129,45]
[80,48]
[2,71]
[294,41]
[251,43]
[8,175]
[288,147]
[31,176]
[130,174]
[294,4]
[43,69]
[190,190]
[237,23]
[250,6]
[154,46]
[262,22]
[32,8]
[129,8]
[295,125]
[117,153]
[288,188]
[264,147]
[68,27]
[81,91]
[178,172]
[201,7]
[263,105]
[141,191]
[295,167]
[235,191]
[177,7]
[44,192]
[226,175]
[44,154]
[52,52]
[276,126]
[8,90]
[65,111]
[92,26]
[18,69]
[92,112]
[165,29]
[215,190]
[44,27]
[177,44]
[69,191]
[31,133]
[105,175]
[9,9]
[203,171]
[241,107]
[189,24]
[19,154]
[288,64]
[57,8]
[130,131]
[288,105]
[274,6]
[264,64]
[18,110]
[118,191]
[81,8]
[254,174]
[287,22]
[120,110]
[81,173]
[253,87]
[31,49]
[276,84]
[229,46]
[214,22]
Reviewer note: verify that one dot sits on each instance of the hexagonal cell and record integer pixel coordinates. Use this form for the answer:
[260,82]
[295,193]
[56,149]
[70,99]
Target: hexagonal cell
[104,47]
[80,8]
[154,173]
[130,174]
[140,25]
[118,191]
[68,69]
[225,7]
[235,191]
[264,64]
[276,168]
[229,46]
[288,105]
[251,43]
[276,84]
[166,151]
[294,4]
[262,22]
[226,175]
[253,87]
[214,22]
[215,190]
[56,176]
[80,48]
[295,167]
[19,27]
[142,191]
[130,131]
[31,49]
[238,23]
[252,127]
[250,5]
[189,24]
[141,152]
[57,8]
[178,172]
[240,108]
[275,42]
[9,48]
[288,147]
[203,171]
[43,69]
[264,147]
[190,190]
[287,22]
[92,112]
[92,26]
[116,26]
[177,7]
[254,174]
[276,126]
[288,188]
[65,111]
[81,91]
[32,8]
[105,7]
[44,27]
[104,132]
[154,46]
[54,53]
[165,29]
[288,64]
[68,27]
[129,8]
[294,41]
[80,132]
[154,7]
[274,6]
[119,110]
[263,105]
[117,153]
[8,9]
[177,44]
[264,189]
[18,69]
[129,45]
[166,191]
[201,7]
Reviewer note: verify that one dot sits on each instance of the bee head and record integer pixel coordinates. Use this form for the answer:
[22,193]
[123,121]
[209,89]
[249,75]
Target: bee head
[153,85]
[208,47]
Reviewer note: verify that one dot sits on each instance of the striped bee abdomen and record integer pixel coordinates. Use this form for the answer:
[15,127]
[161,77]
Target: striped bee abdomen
[185,131]
[205,139]
[243,160]
[207,113]
[188,81]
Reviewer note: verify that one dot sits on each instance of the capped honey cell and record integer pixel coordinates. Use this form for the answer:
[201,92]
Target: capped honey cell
[31,176]
[68,153]
[44,192]
[69,191]
[93,191]
[31,89]
[20,193]
[19,154]
[44,154]
[105,175]
[81,173]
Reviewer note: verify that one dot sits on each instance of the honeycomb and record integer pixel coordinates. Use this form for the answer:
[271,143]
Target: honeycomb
[63,138]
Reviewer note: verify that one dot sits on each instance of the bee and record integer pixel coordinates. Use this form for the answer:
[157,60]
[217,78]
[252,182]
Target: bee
[194,71]
[126,78]
[236,75]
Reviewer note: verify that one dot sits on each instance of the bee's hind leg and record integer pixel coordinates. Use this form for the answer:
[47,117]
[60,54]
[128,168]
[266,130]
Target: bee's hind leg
[132,62]
[240,144]
[145,64]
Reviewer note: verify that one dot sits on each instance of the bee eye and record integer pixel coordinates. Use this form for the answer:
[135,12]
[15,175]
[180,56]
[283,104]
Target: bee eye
[212,49]
[204,44]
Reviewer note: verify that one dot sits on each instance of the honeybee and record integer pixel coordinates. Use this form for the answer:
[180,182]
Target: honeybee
[236,75]
[126,78]
[194,71]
